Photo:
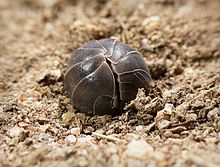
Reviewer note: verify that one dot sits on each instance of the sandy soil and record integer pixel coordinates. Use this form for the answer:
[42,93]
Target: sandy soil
[177,124]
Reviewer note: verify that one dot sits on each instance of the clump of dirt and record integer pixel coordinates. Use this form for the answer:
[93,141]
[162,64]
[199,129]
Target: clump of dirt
[177,124]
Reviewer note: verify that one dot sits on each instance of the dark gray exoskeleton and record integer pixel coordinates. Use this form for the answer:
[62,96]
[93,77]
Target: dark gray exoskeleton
[103,75]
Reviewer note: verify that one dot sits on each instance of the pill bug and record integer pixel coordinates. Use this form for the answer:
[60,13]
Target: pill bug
[103,75]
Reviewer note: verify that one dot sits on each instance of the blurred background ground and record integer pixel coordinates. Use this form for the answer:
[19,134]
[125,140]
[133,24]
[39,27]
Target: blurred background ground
[178,124]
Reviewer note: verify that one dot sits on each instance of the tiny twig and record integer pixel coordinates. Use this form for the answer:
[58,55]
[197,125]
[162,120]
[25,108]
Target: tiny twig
[106,137]
[183,123]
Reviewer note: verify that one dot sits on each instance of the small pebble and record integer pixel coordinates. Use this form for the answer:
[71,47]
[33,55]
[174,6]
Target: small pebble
[70,139]
[139,128]
[37,95]
[22,97]
[151,19]
[38,105]
[68,117]
[213,114]
[168,108]
[167,94]
[75,131]
[43,128]
[23,125]
[88,130]
[56,73]
[145,44]
[84,140]
[139,149]
[165,113]
[163,124]
[15,131]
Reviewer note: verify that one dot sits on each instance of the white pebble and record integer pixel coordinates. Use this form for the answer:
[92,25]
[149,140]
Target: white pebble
[145,43]
[15,131]
[139,128]
[139,149]
[71,139]
[56,73]
[168,108]
[84,140]
[151,19]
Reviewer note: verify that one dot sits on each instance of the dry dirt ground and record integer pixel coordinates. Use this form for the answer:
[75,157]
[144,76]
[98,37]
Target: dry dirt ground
[177,124]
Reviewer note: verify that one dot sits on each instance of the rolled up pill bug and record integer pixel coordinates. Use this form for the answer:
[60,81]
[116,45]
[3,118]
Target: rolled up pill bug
[103,75]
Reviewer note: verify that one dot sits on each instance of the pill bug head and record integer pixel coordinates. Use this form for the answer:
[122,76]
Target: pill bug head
[103,75]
